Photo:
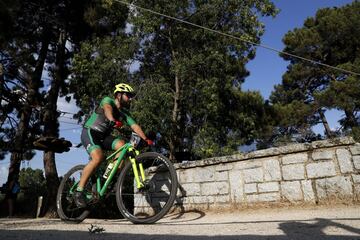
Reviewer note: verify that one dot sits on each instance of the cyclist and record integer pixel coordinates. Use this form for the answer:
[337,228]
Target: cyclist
[96,134]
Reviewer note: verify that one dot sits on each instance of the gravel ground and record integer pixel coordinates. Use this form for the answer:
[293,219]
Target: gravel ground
[335,222]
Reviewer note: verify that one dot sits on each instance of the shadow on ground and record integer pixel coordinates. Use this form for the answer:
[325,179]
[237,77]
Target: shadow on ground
[296,230]
[57,235]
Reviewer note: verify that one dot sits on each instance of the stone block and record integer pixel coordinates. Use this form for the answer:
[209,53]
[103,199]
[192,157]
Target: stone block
[223,167]
[186,176]
[344,159]
[247,164]
[221,176]
[308,191]
[338,187]
[214,188]
[268,187]
[252,198]
[191,189]
[272,170]
[321,169]
[356,178]
[250,188]
[206,174]
[268,197]
[222,199]
[197,175]
[182,175]
[355,150]
[322,155]
[184,201]
[202,199]
[293,172]
[293,148]
[333,142]
[253,175]
[210,199]
[263,153]
[236,186]
[291,191]
[357,192]
[295,158]
[356,160]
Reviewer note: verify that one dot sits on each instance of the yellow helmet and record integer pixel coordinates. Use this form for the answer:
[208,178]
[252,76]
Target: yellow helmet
[123,88]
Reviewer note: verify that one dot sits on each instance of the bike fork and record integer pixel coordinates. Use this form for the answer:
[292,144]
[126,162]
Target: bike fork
[139,182]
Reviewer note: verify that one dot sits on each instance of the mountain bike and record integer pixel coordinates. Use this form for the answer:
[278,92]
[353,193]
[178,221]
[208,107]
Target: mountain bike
[145,185]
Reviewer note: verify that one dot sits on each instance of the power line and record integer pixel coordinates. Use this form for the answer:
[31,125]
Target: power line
[68,129]
[238,38]
[72,123]
[63,112]
[67,117]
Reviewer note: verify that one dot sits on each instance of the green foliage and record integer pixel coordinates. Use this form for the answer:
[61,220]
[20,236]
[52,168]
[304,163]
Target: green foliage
[32,182]
[33,185]
[295,113]
[152,105]
[308,89]
[200,73]
[99,66]
[355,133]
[189,80]
[343,95]
[18,59]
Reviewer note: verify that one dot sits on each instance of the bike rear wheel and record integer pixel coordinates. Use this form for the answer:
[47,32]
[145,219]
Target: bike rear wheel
[66,207]
[150,203]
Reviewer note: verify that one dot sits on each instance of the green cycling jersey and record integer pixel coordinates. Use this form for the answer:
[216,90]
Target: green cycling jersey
[100,123]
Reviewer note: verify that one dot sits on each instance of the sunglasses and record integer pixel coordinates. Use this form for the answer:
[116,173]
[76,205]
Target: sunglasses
[130,95]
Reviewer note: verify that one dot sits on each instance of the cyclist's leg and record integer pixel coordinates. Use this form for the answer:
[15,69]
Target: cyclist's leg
[114,143]
[97,156]
[118,143]
[92,143]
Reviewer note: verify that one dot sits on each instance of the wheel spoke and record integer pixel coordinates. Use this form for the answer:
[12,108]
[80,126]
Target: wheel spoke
[67,208]
[154,200]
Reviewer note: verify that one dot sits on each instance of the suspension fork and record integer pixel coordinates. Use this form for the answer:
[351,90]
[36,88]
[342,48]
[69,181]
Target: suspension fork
[138,169]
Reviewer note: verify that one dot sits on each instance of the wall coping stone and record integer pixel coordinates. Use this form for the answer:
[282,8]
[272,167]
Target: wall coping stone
[270,152]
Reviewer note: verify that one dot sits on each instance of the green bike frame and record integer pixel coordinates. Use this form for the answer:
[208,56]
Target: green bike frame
[139,173]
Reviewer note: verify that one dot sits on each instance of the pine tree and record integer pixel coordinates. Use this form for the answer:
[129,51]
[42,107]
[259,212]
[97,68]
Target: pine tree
[332,38]
[193,77]
[188,80]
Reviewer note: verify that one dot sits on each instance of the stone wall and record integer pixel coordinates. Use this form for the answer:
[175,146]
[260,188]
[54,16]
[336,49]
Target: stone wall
[322,171]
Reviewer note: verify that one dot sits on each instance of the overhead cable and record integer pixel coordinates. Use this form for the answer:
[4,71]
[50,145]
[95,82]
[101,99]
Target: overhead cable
[238,38]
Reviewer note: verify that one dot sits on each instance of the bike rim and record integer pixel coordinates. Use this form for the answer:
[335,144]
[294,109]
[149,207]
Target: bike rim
[152,201]
[67,203]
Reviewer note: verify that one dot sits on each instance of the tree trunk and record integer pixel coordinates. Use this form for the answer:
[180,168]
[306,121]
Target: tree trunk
[172,150]
[174,141]
[51,127]
[175,119]
[52,183]
[18,147]
[325,123]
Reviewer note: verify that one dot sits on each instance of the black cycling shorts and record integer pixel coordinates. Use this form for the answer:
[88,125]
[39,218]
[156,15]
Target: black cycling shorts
[92,140]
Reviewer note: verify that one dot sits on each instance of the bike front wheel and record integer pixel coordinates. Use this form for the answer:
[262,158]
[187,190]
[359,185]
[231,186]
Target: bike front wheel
[66,207]
[151,202]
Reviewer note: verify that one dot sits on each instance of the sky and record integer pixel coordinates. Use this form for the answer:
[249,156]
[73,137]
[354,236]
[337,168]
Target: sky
[266,70]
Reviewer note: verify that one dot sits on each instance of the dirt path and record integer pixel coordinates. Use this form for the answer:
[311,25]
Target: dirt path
[340,222]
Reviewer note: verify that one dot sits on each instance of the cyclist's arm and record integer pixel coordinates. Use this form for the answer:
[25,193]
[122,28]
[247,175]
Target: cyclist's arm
[108,111]
[137,129]
[134,126]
